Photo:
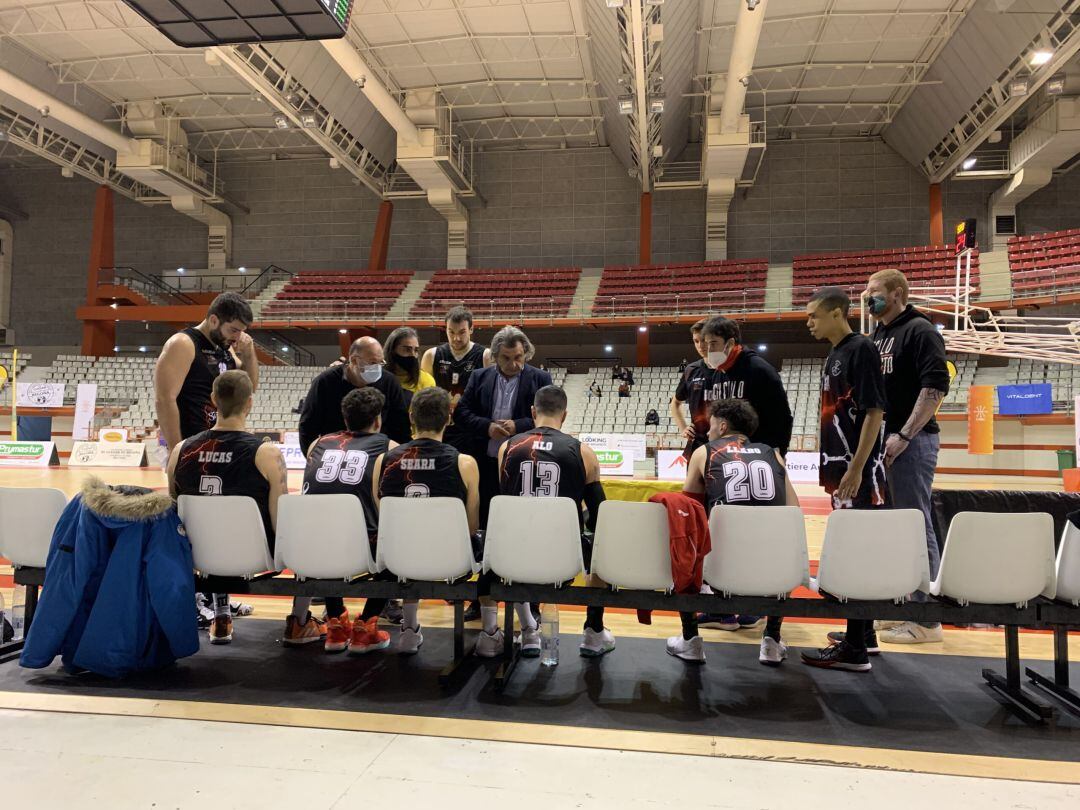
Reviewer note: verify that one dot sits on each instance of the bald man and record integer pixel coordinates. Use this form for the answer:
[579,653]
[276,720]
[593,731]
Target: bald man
[322,406]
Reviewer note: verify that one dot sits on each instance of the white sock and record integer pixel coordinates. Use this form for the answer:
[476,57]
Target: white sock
[221,606]
[410,611]
[489,616]
[300,607]
[525,617]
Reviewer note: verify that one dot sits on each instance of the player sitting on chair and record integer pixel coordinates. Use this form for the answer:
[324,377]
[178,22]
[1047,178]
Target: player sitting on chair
[546,463]
[344,463]
[427,467]
[228,460]
[733,471]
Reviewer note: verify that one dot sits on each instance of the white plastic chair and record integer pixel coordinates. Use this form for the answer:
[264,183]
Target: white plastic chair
[874,554]
[29,517]
[322,537]
[535,541]
[757,550]
[425,539]
[997,558]
[227,535]
[632,546]
[1068,565]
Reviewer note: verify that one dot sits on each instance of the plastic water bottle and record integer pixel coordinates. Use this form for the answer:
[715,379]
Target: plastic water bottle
[549,637]
[18,611]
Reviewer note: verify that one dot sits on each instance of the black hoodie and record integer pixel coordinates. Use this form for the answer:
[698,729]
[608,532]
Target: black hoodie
[912,358]
[752,378]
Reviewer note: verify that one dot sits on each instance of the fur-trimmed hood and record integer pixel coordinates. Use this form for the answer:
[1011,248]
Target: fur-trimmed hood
[124,502]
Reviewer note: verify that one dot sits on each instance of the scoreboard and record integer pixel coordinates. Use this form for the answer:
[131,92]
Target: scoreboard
[965,236]
[204,23]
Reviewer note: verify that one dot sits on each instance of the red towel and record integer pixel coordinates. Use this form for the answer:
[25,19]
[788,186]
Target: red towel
[688,527]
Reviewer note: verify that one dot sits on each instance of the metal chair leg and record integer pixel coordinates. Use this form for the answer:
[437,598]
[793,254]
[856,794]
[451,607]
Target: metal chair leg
[1059,685]
[450,670]
[511,651]
[1010,688]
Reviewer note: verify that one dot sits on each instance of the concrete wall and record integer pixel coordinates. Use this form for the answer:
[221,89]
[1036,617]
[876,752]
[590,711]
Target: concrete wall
[1054,207]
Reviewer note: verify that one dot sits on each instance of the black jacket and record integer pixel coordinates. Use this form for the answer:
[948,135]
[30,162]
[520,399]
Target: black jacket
[912,358]
[473,412]
[322,407]
[754,379]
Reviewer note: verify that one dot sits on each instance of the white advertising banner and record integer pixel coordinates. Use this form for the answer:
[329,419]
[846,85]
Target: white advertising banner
[294,457]
[616,451]
[85,403]
[670,465]
[802,468]
[1076,410]
[108,454]
[39,395]
[28,454]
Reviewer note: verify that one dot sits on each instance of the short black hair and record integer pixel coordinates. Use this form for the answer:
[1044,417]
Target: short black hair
[720,326]
[361,407]
[738,413]
[550,400]
[232,389]
[458,314]
[832,298]
[229,307]
[697,327]
[430,410]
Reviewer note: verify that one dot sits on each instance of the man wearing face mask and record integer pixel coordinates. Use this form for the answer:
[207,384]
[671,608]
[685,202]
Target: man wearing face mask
[916,380]
[402,353]
[322,405]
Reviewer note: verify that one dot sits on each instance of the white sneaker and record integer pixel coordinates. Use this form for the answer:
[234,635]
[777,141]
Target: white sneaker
[911,633]
[692,651]
[409,641]
[530,643]
[880,625]
[490,645]
[772,652]
[594,645]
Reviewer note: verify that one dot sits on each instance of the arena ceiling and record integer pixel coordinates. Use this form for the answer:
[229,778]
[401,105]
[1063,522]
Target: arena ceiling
[516,74]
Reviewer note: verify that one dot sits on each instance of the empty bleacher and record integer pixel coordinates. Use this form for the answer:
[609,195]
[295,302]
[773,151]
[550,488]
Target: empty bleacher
[5,361]
[520,292]
[1045,262]
[924,266]
[730,285]
[610,413]
[315,294]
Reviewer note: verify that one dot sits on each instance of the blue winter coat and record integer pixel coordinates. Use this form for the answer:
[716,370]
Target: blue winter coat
[119,594]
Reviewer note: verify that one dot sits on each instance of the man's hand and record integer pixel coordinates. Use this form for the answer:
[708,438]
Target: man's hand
[508,426]
[689,432]
[496,430]
[895,444]
[244,345]
[849,484]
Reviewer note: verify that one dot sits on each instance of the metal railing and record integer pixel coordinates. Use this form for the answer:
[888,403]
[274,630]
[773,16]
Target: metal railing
[172,290]
[1050,283]
[152,288]
[280,347]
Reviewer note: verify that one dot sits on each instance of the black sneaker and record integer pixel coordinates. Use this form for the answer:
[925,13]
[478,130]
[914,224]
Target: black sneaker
[872,647]
[392,613]
[718,621]
[838,656]
[472,612]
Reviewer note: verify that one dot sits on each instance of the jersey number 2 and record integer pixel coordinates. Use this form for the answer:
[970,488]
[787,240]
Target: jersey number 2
[547,472]
[746,480]
[210,485]
[344,466]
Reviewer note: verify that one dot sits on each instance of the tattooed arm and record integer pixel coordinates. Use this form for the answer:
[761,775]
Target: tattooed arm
[925,408]
[271,465]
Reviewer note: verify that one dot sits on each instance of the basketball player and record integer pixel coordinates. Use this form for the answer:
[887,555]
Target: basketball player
[546,463]
[734,471]
[852,468]
[228,460]
[193,358]
[427,467]
[690,391]
[344,463]
[452,363]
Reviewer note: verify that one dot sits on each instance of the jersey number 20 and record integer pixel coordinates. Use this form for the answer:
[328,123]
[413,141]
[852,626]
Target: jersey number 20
[344,466]
[745,482]
[547,472]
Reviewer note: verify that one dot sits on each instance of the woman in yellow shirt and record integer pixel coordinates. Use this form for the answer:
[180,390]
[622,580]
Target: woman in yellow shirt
[402,353]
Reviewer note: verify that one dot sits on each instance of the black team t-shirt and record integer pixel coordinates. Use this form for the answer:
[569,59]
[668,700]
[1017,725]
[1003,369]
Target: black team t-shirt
[342,463]
[422,468]
[545,463]
[743,473]
[452,375]
[850,386]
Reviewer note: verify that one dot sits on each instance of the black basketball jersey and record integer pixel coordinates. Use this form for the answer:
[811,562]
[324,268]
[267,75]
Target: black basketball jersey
[422,468]
[543,463]
[743,473]
[222,462]
[697,391]
[197,412]
[452,375]
[343,463]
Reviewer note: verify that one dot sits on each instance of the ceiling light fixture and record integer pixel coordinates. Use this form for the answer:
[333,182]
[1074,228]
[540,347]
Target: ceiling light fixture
[307,119]
[180,270]
[1039,58]
[1055,85]
[608,349]
[281,122]
[656,104]
[614,3]
[969,163]
[1018,87]
[626,105]
[762,347]
[241,269]
[643,328]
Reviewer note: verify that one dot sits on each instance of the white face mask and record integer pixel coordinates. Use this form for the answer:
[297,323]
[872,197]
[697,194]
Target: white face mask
[717,359]
[371,374]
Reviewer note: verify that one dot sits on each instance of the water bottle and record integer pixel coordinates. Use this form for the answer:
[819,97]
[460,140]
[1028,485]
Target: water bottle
[549,637]
[18,611]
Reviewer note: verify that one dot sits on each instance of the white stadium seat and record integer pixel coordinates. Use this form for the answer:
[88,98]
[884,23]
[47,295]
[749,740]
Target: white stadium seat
[410,550]
[533,541]
[227,535]
[1068,565]
[997,558]
[874,554]
[322,537]
[632,547]
[757,550]
[26,528]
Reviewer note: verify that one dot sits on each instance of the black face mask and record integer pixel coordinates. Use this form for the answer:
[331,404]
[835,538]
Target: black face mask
[407,363]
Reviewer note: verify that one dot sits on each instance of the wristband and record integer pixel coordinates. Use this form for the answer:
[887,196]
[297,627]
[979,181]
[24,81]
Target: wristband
[900,433]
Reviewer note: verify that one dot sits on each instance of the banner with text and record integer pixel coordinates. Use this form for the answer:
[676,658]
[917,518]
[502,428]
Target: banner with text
[1024,400]
[39,395]
[294,457]
[802,468]
[670,465]
[28,454]
[616,451]
[108,454]
[85,404]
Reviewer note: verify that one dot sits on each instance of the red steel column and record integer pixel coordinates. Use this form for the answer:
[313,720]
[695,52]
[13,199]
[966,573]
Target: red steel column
[645,230]
[99,337]
[380,243]
[937,228]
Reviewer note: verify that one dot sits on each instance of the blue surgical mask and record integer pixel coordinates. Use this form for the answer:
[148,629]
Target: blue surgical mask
[371,374]
[876,304]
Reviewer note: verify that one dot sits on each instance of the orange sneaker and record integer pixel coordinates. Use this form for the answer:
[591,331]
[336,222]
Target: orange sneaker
[221,630]
[367,637]
[310,631]
[338,631]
